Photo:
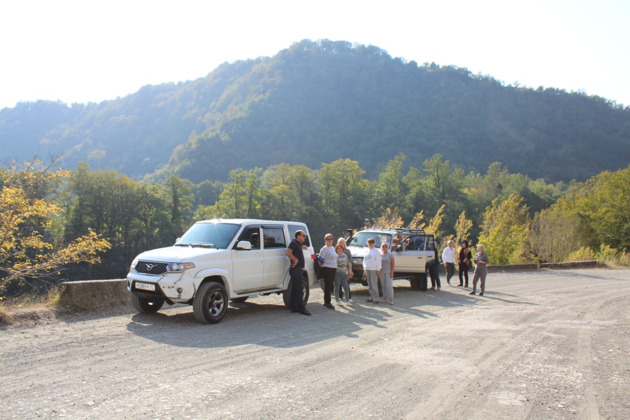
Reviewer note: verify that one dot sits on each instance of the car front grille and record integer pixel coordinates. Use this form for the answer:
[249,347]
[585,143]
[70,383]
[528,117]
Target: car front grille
[147,267]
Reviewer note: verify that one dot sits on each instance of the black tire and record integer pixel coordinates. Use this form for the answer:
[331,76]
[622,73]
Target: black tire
[286,295]
[240,299]
[210,303]
[146,306]
[419,282]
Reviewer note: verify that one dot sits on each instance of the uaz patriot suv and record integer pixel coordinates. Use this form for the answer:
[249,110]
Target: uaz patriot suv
[216,261]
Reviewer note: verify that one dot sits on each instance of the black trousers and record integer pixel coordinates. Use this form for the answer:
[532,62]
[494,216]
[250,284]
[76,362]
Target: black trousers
[434,272]
[450,270]
[463,269]
[329,283]
[297,291]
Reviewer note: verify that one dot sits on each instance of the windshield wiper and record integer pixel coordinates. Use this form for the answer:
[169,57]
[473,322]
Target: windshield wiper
[203,245]
[198,244]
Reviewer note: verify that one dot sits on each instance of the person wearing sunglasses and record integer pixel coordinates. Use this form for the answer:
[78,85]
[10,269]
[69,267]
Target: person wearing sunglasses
[328,259]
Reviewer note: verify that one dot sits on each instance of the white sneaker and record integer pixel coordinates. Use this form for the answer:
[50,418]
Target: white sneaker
[350,301]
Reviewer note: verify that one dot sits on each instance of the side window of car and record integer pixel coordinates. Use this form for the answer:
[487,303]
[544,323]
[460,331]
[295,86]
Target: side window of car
[274,238]
[421,242]
[416,243]
[251,234]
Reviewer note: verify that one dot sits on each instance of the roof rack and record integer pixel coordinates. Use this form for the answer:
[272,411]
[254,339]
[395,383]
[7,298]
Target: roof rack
[403,231]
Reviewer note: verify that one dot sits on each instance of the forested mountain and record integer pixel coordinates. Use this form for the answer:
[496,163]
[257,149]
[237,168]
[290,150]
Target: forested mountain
[318,101]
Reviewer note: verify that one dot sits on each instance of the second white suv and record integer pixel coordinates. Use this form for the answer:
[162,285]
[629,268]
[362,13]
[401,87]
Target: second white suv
[216,261]
[411,256]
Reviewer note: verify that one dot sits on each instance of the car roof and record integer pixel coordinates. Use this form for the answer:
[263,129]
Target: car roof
[247,221]
[403,231]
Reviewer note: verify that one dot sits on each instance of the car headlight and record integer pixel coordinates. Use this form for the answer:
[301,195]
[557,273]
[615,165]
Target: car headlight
[179,266]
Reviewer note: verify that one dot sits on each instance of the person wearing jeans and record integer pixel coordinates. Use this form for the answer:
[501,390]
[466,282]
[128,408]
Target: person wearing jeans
[341,276]
[372,269]
[329,267]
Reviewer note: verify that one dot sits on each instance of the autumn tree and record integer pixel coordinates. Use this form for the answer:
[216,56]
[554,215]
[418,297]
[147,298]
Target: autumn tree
[462,228]
[29,250]
[389,219]
[504,229]
[436,221]
[553,235]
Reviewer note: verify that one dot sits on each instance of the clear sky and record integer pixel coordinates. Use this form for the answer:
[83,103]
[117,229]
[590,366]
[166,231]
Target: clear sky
[93,50]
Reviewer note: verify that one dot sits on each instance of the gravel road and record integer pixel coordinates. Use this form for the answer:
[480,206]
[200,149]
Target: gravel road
[539,345]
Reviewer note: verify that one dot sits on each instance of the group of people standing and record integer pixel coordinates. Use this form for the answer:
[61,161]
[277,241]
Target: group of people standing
[336,265]
[378,266]
[463,258]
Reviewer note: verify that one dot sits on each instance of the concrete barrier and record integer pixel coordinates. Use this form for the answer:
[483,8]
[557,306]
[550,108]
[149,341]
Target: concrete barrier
[527,267]
[572,264]
[511,267]
[93,294]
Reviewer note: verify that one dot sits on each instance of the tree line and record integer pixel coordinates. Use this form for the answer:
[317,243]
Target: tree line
[98,221]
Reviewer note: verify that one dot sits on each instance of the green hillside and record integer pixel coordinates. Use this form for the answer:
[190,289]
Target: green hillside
[318,101]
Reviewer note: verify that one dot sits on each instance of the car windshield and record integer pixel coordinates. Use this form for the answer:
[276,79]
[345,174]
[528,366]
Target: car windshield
[361,238]
[217,235]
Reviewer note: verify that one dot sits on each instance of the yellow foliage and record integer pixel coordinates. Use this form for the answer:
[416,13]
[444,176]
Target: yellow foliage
[25,216]
[436,222]
[583,254]
[462,228]
[390,219]
[418,221]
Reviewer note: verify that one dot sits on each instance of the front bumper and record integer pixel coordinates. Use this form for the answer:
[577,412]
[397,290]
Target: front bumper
[173,289]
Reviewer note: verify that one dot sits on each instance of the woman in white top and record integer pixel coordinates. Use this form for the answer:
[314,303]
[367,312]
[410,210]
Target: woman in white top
[372,268]
[328,257]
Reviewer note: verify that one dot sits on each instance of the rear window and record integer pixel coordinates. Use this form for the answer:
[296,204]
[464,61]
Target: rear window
[361,238]
[295,228]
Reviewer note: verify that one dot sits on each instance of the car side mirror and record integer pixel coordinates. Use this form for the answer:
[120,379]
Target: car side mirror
[244,245]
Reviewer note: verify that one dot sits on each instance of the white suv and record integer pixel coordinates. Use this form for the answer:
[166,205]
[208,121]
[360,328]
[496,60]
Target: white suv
[216,261]
[411,256]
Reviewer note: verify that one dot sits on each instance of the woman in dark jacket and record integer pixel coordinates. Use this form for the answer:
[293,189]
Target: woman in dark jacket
[463,262]
[434,269]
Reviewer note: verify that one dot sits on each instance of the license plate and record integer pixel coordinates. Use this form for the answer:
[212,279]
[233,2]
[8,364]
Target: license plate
[145,286]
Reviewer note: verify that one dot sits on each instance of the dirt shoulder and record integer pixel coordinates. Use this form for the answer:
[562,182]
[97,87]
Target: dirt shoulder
[538,345]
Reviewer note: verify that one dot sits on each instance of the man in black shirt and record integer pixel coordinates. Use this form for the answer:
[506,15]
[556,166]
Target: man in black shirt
[295,254]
